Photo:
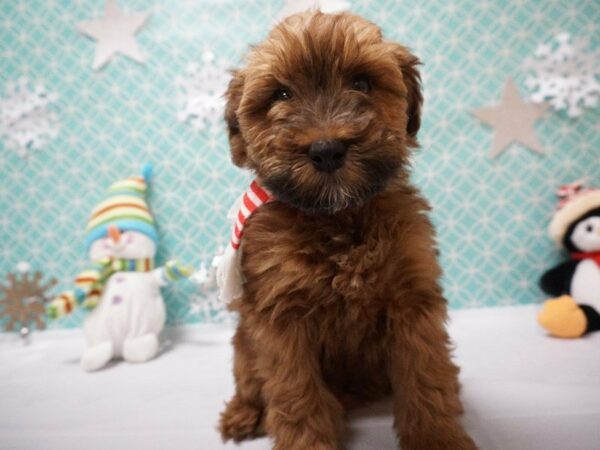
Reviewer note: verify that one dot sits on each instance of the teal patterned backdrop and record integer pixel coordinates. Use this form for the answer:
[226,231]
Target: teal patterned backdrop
[491,214]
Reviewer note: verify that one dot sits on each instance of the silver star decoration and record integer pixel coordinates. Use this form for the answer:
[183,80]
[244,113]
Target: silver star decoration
[115,33]
[513,121]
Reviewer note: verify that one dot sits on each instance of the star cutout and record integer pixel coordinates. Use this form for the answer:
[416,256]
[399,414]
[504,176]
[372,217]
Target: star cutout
[513,120]
[114,33]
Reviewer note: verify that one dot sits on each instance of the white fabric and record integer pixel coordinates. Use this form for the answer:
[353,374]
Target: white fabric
[131,307]
[521,390]
[229,271]
[229,275]
[585,285]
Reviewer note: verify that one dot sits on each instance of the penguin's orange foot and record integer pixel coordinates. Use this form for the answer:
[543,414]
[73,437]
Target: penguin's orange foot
[562,317]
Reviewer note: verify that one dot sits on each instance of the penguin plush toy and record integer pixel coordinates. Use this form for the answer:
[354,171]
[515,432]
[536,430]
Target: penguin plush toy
[574,284]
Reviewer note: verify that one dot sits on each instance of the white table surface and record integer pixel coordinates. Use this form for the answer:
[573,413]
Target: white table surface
[521,390]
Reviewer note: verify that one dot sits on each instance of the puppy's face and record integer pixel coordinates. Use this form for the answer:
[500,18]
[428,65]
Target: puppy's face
[324,111]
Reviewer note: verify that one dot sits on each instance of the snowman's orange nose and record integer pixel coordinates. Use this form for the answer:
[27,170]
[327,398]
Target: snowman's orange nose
[114,233]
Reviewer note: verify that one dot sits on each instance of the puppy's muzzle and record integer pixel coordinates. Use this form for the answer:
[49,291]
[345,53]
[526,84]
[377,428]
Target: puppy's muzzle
[327,155]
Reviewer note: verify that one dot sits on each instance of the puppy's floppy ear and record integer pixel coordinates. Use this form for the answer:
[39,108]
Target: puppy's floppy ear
[233,97]
[412,80]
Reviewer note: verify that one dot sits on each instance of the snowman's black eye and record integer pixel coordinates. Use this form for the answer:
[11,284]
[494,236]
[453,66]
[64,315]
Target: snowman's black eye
[589,228]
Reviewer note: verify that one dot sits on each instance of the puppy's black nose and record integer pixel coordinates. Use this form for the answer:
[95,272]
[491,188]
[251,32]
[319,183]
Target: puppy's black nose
[327,156]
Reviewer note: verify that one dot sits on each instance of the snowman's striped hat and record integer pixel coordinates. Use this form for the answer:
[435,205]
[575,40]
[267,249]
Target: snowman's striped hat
[574,201]
[125,207]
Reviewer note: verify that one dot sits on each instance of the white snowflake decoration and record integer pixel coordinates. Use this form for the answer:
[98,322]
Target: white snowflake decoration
[204,277]
[207,305]
[565,74]
[327,6]
[201,92]
[212,310]
[25,122]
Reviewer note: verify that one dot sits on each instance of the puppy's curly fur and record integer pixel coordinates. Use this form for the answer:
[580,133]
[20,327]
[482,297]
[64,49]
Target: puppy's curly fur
[341,302]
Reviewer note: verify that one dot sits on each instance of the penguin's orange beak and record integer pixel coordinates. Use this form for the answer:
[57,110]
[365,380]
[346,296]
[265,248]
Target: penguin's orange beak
[114,233]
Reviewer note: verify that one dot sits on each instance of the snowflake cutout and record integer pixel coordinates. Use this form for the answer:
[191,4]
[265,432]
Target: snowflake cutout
[201,92]
[211,310]
[206,305]
[565,74]
[23,299]
[25,122]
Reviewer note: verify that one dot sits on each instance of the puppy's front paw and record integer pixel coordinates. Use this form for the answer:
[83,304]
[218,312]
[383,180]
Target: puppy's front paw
[301,446]
[305,435]
[241,421]
[459,440]
[454,438]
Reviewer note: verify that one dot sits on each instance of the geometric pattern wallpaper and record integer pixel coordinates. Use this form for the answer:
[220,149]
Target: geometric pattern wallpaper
[491,214]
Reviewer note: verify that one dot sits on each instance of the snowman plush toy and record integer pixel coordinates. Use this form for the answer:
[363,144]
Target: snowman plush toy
[122,285]
[575,283]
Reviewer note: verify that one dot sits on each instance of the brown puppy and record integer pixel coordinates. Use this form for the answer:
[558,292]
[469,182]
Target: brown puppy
[341,302]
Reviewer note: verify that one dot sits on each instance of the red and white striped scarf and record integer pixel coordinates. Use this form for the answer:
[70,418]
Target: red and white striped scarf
[253,198]
[229,274]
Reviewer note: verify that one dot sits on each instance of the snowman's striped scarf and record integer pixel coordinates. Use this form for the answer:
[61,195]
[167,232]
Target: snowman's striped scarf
[90,283]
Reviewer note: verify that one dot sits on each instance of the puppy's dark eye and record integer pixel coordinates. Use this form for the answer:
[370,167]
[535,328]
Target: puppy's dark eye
[589,228]
[282,95]
[362,84]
